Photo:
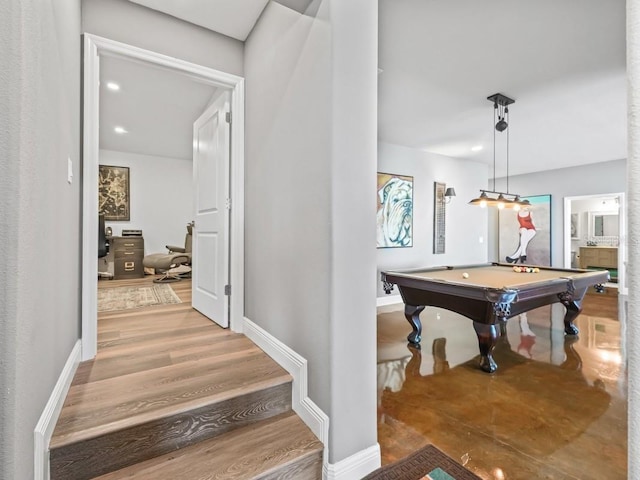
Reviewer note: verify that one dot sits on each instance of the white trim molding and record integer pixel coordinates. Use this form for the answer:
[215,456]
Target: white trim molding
[355,466]
[296,365]
[94,48]
[292,362]
[44,429]
[388,300]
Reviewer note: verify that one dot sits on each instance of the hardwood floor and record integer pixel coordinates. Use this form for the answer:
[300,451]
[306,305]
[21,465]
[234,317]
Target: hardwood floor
[166,387]
[556,408]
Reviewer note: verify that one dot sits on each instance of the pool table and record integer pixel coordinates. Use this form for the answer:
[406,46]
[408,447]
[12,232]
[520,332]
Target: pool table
[489,294]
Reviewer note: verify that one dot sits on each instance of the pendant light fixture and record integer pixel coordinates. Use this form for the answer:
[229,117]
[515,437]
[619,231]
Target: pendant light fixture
[492,198]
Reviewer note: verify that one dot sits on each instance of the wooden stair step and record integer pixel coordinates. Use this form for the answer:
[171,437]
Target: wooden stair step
[93,371]
[152,318]
[116,434]
[155,343]
[183,309]
[97,408]
[131,334]
[281,447]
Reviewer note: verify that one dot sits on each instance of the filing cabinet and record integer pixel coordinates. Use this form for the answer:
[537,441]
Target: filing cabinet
[127,257]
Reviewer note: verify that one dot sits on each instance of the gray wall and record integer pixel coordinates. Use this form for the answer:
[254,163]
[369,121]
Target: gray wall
[593,179]
[40,214]
[310,181]
[145,28]
[465,224]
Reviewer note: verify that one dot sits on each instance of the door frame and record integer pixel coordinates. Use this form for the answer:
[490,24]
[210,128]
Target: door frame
[94,47]
[622,234]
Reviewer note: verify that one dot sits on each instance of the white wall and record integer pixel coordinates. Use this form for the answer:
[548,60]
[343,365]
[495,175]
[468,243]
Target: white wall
[39,214]
[310,184]
[593,179]
[161,197]
[465,224]
[145,28]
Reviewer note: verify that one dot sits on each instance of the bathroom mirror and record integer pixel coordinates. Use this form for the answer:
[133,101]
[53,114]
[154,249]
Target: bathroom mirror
[603,224]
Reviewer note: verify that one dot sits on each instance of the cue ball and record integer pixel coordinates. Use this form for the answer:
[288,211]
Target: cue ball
[465,275]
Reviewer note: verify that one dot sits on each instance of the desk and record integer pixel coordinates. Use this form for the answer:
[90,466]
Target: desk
[491,294]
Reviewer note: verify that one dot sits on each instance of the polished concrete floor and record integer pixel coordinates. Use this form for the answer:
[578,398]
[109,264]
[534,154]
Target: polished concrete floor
[555,409]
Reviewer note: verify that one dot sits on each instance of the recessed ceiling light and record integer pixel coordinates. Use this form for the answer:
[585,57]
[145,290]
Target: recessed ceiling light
[476,148]
[113,86]
[120,130]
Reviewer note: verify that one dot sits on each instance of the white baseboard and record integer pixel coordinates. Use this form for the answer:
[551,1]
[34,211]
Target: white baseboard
[292,362]
[46,424]
[388,300]
[354,467]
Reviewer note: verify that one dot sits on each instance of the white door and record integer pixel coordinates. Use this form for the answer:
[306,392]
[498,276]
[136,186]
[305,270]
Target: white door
[210,264]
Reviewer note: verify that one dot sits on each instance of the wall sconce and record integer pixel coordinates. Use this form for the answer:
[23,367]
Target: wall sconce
[449,193]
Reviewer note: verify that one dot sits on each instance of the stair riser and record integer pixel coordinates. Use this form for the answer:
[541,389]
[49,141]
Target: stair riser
[97,456]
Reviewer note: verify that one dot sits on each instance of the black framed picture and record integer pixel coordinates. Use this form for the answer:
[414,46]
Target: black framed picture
[113,193]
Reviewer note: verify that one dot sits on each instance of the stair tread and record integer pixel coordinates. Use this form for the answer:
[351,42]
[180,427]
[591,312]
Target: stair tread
[127,363]
[103,406]
[244,453]
[153,343]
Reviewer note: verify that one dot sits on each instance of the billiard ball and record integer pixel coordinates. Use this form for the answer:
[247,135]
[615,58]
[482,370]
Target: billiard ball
[465,275]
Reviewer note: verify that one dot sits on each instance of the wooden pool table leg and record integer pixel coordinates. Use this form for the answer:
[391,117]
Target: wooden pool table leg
[572,300]
[412,314]
[573,310]
[487,337]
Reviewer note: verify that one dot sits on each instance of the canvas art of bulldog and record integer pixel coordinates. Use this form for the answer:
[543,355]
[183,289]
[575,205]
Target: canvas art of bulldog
[395,213]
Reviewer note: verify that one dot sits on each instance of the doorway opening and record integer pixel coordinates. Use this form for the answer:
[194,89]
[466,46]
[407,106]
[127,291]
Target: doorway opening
[595,235]
[97,49]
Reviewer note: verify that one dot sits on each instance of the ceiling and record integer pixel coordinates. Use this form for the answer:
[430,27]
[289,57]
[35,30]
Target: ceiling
[156,106]
[234,18]
[562,61]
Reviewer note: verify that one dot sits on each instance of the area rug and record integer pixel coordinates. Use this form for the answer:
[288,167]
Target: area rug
[428,463]
[124,298]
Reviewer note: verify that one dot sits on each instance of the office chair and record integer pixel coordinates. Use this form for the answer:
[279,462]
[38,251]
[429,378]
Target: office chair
[174,265]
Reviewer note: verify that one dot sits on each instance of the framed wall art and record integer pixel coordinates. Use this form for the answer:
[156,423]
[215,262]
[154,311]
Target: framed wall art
[525,235]
[439,217]
[394,211]
[113,193]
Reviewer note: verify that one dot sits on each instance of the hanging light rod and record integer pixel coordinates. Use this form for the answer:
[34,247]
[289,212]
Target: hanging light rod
[504,199]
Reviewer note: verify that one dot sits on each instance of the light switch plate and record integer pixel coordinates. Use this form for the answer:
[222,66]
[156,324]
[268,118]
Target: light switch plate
[69,170]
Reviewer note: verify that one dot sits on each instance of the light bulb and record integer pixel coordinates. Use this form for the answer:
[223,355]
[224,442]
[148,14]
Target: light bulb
[483,203]
[516,207]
